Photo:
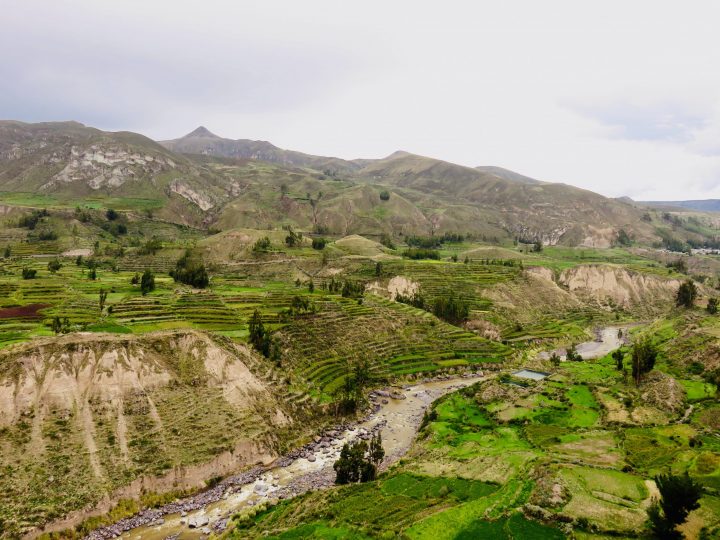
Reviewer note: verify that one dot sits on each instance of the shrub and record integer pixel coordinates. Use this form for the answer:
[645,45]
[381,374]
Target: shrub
[421,253]
[147,282]
[151,247]
[30,221]
[712,306]
[262,245]
[384,195]
[54,265]
[29,273]
[686,294]
[190,271]
[319,243]
[111,214]
[293,239]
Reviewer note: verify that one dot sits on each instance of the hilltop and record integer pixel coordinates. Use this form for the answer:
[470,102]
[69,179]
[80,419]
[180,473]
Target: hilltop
[211,182]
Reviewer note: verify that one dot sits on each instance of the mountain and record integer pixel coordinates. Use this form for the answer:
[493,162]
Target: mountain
[704,205]
[528,209]
[205,180]
[202,141]
[508,174]
[68,161]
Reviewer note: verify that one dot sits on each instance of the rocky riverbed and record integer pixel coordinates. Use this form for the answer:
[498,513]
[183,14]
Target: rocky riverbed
[395,412]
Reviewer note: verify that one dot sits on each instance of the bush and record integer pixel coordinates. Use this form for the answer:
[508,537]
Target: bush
[29,273]
[30,221]
[712,306]
[111,214]
[190,271]
[421,253]
[686,294]
[151,247]
[319,243]
[293,239]
[47,234]
[54,265]
[262,245]
[384,195]
[147,282]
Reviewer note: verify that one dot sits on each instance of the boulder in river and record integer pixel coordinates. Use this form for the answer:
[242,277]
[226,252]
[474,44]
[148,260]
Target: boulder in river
[195,522]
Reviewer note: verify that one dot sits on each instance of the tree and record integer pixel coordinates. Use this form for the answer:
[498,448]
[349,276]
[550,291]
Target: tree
[451,308]
[644,354]
[623,238]
[572,355]
[29,273]
[618,355]
[261,245]
[311,286]
[358,461]
[378,269]
[538,246]
[376,451]
[111,214]
[147,282]
[103,297]
[680,495]
[135,280]
[92,274]
[260,339]
[54,265]
[190,271]
[712,306]
[384,195]
[293,239]
[7,252]
[686,294]
[319,243]
[60,326]
[555,359]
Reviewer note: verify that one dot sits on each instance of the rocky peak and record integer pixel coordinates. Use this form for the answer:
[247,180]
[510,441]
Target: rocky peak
[202,131]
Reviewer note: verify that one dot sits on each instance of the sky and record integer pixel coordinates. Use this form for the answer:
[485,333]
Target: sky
[619,97]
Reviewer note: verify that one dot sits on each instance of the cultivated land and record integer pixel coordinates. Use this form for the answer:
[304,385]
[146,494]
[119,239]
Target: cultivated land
[112,400]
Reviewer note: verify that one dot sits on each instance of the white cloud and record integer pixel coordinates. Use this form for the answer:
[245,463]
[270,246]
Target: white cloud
[618,97]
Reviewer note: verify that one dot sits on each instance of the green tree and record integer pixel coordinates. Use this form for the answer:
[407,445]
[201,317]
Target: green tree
[111,214]
[29,273]
[384,195]
[293,239]
[191,271]
[555,359]
[644,354]
[147,282]
[680,495]
[378,269]
[319,243]
[54,265]
[618,355]
[262,245]
[7,252]
[102,299]
[712,306]
[687,292]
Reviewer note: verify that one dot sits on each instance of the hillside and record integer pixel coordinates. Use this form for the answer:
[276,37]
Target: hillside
[87,417]
[202,141]
[206,181]
[68,162]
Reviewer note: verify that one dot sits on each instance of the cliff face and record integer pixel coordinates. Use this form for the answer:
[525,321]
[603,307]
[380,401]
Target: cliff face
[84,418]
[623,287]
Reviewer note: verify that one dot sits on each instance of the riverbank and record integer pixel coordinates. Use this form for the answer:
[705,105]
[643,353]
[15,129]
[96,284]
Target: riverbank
[396,414]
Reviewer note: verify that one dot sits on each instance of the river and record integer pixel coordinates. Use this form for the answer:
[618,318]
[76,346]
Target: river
[607,340]
[397,420]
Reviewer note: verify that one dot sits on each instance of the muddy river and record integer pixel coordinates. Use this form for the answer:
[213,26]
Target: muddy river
[397,418]
[606,340]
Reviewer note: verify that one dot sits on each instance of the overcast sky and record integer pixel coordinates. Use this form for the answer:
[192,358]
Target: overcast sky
[622,98]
